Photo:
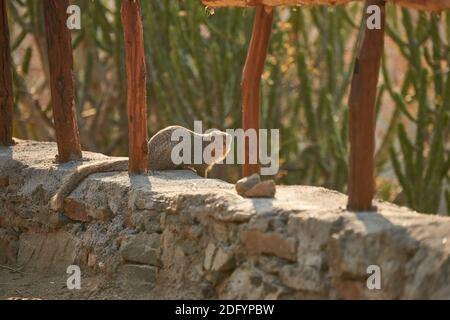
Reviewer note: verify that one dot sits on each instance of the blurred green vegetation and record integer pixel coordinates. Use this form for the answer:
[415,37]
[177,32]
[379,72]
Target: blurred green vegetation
[195,59]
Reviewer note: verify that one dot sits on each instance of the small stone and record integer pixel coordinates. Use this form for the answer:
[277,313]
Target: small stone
[303,277]
[258,243]
[270,264]
[100,214]
[78,211]
[135,220]
[195,232]
[152,221]
[9,246]
[152,227]
[207,290]
[247,183]
[142,248]
[92,260]
[139,273]
[162,221]
[4,182]
[265,189]
[144,204]
[209,256]
[75,211]
[57,220]
[47,251]
[223,260]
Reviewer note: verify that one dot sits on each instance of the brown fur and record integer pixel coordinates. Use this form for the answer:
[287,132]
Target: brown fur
[160,158]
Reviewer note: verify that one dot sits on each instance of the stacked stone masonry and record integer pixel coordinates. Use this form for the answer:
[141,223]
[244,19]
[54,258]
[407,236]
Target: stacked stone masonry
[176,230]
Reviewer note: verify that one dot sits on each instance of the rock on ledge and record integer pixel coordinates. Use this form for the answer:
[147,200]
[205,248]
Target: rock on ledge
[185,236]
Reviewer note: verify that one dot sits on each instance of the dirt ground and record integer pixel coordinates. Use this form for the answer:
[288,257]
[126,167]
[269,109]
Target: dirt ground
[15,285]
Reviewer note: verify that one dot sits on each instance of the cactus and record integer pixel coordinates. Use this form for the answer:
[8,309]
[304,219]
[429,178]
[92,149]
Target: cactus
[422,160]
[195,60]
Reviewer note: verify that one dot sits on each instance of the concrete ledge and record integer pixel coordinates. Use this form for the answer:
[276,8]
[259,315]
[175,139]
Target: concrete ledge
[190,237]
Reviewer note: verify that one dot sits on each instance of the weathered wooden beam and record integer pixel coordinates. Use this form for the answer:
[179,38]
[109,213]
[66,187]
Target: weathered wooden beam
[6,79]
[251,81]
[361,185]
[136,74]
[59,43]
[431,5]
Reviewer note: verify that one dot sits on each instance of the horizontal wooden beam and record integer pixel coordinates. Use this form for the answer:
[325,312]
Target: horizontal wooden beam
[431,5]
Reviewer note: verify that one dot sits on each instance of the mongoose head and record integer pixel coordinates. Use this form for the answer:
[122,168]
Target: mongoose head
[222,144]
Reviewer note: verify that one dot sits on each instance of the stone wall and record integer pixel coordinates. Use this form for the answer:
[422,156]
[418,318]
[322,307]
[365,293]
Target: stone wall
[191,237]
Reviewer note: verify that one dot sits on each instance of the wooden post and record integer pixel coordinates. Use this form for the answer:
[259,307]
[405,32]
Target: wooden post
[59,43]
[136,74]
[251,79]
[361,185]
[6,80]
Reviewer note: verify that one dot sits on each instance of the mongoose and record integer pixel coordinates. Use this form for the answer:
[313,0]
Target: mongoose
[160,158]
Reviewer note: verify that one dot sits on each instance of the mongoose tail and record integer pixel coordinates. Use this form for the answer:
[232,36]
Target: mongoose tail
[80,173]
[160,149]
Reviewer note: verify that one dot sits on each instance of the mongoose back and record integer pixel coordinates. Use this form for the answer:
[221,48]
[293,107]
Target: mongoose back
[160,148]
